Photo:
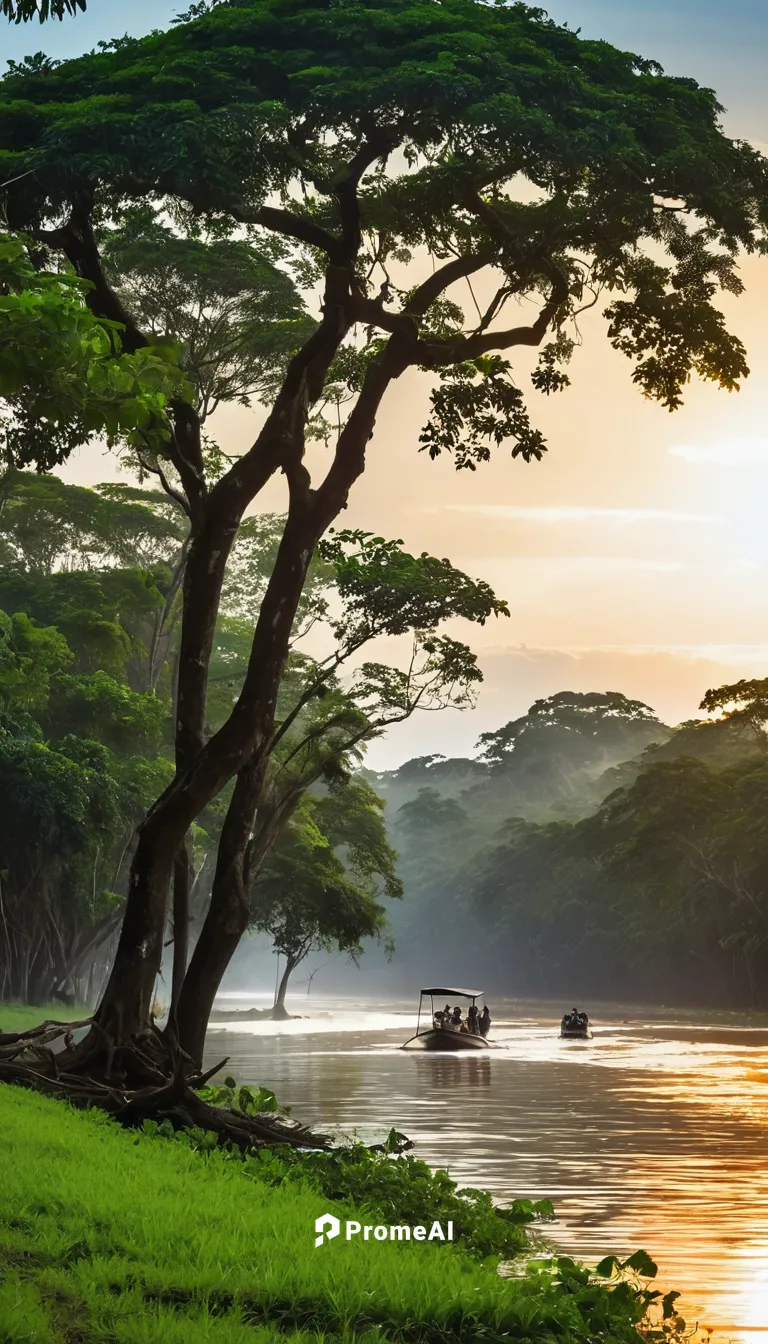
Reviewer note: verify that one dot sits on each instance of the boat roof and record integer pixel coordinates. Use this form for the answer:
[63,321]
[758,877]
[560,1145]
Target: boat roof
[461,993]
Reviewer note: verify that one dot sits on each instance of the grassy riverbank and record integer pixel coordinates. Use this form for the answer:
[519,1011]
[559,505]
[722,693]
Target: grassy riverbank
[108,1234]
[23,1016]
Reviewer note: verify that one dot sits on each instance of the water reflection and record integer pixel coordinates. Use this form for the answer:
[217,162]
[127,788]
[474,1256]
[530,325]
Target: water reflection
[652,1134]
[434,1070]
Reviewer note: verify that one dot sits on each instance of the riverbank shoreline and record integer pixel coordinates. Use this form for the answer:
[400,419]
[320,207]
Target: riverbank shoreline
[143,1239]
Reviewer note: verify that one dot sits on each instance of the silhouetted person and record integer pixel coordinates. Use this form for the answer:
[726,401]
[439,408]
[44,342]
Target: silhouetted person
[485,1021]
[457,1018]
[472,1022]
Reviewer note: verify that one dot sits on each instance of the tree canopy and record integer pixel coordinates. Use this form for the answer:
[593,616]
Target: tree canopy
[443,107]
[321,886]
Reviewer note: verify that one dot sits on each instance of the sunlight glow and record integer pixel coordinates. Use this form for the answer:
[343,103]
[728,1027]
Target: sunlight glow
[578,513]
[729,452]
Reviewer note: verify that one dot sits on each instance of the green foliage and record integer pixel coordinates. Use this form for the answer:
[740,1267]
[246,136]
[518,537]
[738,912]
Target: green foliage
[62,371]
[387,591]
[29,658]
[21,11]
[235,314]
[592,850]
[471,417]
[47,525]
[307,895]
[638,194]
[99,707]
[222,1254]
[244,1100]
[79,767]
[667,880]
[403,1189]
[744,703]
[586,727]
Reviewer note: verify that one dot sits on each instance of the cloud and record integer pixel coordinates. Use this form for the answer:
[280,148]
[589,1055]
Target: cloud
[729,452]
[672,679]
[579,513]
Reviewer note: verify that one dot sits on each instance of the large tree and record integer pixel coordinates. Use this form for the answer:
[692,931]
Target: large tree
[431,173]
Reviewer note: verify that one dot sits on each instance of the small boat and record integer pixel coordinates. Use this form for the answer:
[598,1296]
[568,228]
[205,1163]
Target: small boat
[444,1038]
[575,1027]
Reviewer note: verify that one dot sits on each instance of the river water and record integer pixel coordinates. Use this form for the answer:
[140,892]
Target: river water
[652,1135]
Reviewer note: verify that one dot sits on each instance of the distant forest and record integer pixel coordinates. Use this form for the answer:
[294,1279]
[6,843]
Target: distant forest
[590,850]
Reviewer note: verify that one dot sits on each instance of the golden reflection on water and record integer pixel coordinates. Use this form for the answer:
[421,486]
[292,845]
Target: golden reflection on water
[653,1134]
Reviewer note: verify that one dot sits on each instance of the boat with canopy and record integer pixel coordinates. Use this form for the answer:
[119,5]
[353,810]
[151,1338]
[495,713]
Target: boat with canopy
[435,1036]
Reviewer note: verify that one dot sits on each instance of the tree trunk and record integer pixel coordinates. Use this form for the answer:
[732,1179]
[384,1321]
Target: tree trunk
[246,736]
[182,874]
[127,1001]
[227,917]
[238,862]
[124,1010]
[278,1009]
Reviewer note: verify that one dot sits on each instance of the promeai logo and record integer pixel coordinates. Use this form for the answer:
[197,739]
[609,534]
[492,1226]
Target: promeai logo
[327,1227]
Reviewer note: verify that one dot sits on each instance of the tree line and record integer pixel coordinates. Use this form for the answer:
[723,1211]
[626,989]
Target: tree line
[590,850]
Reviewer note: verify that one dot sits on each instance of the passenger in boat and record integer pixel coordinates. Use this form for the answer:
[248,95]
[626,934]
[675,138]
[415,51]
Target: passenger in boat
[485,1021]
[457,1018]
[472,1023]
[447,1019]
[437,1020]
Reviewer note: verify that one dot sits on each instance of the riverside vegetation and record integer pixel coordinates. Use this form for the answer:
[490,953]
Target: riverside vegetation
[591,851]
[152,1237]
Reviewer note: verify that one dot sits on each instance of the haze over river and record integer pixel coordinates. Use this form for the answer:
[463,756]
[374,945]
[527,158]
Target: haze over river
[651,1135]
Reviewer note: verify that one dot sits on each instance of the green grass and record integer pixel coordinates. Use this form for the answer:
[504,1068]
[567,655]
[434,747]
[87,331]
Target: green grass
[111,1235]
[20,1016]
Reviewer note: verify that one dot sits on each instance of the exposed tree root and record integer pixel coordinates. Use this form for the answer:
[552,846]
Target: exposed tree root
[149,1079]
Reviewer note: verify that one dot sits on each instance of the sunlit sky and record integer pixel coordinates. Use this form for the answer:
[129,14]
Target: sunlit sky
[634,556]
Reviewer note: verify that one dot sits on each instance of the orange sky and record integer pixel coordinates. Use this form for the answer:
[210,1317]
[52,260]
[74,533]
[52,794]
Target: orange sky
[634,556]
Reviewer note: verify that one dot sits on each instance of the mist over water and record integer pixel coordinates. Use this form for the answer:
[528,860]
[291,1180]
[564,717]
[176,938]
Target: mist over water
[651,1135]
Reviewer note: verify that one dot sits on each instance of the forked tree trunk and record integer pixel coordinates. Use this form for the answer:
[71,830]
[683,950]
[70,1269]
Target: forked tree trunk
[246,736]
[238,861]
[125,1007]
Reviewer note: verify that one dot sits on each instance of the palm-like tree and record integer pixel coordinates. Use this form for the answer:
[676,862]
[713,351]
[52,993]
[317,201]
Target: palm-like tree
[20,11]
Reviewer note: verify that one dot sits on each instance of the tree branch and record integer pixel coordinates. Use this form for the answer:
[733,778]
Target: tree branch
[460,268]
[434,354]
[290,226]
[78,243]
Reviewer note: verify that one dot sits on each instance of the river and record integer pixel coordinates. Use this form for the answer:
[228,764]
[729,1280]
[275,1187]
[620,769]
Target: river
[652,1135]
